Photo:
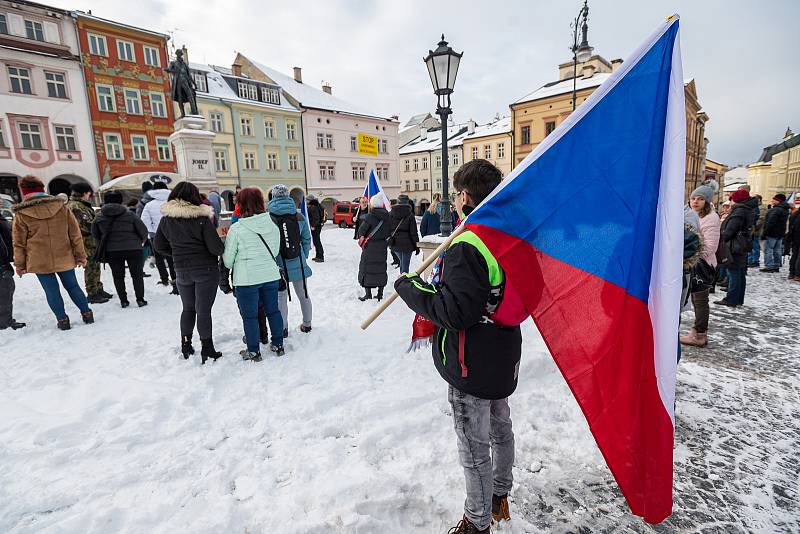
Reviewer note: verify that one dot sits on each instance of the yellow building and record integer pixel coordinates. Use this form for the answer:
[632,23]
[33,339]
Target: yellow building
[492,142]
[539,113]
[778,168]
[715,171]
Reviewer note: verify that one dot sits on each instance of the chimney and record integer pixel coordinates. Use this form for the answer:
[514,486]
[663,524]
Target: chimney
[615,64]
[423,132]
[327,88]
[298,74]
[471,127]
[236,69]
[587,71]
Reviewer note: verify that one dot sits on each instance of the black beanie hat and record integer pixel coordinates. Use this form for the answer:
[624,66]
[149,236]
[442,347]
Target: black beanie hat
[112,197]
[81,188]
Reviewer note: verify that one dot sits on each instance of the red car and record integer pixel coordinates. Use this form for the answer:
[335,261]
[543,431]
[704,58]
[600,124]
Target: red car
[343,213]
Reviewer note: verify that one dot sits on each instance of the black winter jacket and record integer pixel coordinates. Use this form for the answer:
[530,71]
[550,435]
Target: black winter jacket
[775,221]
[6,248]
[187,233]
[491,353]
[404,227]
[316,214]
[372,267]
[740,221]
[124,230]
[792,240]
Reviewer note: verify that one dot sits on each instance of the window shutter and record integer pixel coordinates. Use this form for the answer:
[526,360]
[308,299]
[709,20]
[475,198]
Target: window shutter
[16,25]
[51,32]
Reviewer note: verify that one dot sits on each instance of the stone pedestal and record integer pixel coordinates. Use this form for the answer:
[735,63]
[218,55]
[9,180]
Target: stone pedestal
[194,151]
[428,245]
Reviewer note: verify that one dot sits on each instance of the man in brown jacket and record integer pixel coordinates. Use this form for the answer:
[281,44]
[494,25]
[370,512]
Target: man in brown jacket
[48,243]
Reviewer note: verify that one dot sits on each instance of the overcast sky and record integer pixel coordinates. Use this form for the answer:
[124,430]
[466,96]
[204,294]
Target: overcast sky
[742,53]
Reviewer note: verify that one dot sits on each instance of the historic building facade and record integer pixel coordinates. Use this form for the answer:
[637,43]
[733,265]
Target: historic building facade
[45,128]
[259,139]
[492,142]
[335,169]
[777,169]
[129,96]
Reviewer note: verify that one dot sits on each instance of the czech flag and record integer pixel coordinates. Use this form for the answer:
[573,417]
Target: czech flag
[589,230]
[373,188]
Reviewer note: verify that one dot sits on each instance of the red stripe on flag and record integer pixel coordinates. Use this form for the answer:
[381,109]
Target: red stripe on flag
[601,338]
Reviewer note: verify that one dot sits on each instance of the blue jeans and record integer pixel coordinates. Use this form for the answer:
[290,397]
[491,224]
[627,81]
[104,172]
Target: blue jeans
[773,250]
[405,261]
[754,256]
[737,283]
[53,292]
[248,298]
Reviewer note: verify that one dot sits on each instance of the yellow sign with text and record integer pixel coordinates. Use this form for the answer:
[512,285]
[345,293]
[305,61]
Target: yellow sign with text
[367,145]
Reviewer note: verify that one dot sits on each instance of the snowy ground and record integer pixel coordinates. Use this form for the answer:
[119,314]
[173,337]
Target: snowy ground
[105,429]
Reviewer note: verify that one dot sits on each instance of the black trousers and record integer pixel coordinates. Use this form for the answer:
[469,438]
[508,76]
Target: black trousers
[135,260]
[7,287]
[794,261]
[162,262]
[319,252]
[198,290]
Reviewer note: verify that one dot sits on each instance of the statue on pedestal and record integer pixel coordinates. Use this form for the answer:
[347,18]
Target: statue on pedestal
[183,87]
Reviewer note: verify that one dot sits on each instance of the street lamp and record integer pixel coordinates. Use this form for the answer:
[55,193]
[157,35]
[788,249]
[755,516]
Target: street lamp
[580,52]
[442,66]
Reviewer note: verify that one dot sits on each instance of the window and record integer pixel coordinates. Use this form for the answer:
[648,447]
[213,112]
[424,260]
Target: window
[475,152]
[383,144]
[20,80]
[487,151]
[501,150]
[247,126]
[34,30]
[549,126]
[164,149]
[353,143]
[105,97]
[113,146]
[250,160]
[424,163]
[252,92]
[408,185]
[157,106]
[294,162]
[30,135]
[329,141]
[272,162]
[456,159]
[438,161]
[270,95]
[97,45]
[139,146]
[125,51]
[2,139]
[221,159]
[320,140]
[216,121]
[65,137]
[269,129]
[200,82]
[327,171]
[525,135]
[359,171]
[408,165]
[291,134]
[416,164]
[3,24]
[424,184]
[416,185]
[133,101]
[438,184]
[151,56]
[56,85]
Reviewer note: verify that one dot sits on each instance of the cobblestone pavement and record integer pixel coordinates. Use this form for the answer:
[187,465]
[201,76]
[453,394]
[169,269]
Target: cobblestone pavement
[737,454]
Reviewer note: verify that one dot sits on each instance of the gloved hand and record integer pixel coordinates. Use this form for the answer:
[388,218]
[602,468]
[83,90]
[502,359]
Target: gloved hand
[416,251]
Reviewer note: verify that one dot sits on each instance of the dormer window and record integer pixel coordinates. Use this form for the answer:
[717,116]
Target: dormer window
[200,82]
[248,90]
[34,30]
[270,95]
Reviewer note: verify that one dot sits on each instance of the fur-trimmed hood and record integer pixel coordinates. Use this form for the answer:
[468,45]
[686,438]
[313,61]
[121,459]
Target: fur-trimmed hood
[180,209]
[39,207]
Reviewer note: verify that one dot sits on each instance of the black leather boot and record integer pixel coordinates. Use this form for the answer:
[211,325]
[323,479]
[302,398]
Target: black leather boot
[186,347]
[380,294]
[367,295]
[208,351]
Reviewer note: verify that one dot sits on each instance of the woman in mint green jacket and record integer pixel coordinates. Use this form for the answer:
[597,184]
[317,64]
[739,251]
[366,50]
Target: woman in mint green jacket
[251,248]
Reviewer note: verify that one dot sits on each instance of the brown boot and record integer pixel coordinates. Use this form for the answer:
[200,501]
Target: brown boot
[500,509]
[465,527]
[694,339]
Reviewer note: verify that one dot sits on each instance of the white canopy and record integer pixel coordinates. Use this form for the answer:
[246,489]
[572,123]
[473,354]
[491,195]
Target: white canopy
[134,181]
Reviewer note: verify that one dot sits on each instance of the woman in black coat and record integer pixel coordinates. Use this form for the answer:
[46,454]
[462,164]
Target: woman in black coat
[120,235]
[793,244]
[738,223]
[372,268]
[404,237]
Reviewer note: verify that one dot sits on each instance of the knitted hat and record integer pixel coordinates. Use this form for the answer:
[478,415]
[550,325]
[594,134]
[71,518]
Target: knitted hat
[160,185]
[704,191]
[280,190]
[740,195]
[112,197]
[311,197]
[147,186]
[780,197]
[29,185]
[403,199]
[81,188]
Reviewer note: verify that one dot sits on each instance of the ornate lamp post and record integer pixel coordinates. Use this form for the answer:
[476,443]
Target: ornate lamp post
[442,66]
[580,52]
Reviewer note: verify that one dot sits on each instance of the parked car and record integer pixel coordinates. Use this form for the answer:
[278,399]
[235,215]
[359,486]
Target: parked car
[5,206]
[343,213]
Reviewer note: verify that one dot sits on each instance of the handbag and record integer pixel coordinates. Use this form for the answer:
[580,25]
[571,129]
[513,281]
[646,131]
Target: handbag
[402,221]
[363,240]
[741,244]
[99,255]
[702,276]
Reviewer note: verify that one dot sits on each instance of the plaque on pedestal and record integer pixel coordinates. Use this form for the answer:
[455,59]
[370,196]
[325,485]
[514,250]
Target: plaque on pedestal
[194,152]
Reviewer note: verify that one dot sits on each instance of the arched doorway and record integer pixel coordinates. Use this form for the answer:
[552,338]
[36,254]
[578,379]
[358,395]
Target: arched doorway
[328,205]
[62,183]
[423,205]
[8,186]
[297,195]
[227,196]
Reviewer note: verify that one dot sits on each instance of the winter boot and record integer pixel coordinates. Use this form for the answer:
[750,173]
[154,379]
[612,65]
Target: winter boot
[174,289]
[163,282]
[465,527]
[367,295]
[107,295]
[277,350]
[305,329]
[63,324]
[186,347]
[380,294]
[14,325]
[141,303]
[285,333]
[500,508]
[88,317]
[124,303]
[97,298]
[208,351]
[695,339]
[251,356]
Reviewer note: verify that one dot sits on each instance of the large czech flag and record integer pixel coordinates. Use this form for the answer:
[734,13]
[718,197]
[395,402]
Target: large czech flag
[373,188]
[589,230]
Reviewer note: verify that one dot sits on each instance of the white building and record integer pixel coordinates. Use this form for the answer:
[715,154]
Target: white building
[45,127]
[335,170]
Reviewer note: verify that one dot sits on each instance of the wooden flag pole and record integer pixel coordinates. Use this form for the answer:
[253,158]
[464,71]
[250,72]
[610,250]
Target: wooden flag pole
[425,264]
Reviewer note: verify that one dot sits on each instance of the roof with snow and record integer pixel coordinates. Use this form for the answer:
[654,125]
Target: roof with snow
[768,152]
[219,88]
[433,141]
[561,87]
[500,126]
[310,97]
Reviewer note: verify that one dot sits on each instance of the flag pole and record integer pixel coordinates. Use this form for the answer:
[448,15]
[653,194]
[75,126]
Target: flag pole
[425,264]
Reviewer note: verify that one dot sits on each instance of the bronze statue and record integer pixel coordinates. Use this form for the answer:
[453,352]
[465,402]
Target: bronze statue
[183,87]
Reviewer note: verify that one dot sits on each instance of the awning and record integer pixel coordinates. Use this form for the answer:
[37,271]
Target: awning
[133,182]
